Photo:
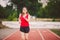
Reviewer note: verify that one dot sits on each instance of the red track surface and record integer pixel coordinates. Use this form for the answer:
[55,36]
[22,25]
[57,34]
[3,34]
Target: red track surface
[35,34]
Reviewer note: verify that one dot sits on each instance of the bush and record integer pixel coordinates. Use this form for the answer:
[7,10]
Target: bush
[13,16]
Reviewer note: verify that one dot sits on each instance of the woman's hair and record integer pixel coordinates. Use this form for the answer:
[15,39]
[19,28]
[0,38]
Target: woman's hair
[22,10]
[24,7]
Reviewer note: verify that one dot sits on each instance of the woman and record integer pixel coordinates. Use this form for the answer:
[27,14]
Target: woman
[24,18]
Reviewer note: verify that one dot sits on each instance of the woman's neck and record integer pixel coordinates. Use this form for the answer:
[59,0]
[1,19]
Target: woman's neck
[23,13]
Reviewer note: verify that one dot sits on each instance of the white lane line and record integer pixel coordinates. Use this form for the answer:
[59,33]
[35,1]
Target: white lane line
[41,34]
[54,34]
[9,35]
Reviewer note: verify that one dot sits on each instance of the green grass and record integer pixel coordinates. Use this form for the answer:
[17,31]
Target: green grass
[57,31]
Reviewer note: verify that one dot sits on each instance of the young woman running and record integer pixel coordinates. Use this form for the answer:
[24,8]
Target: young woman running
[24,18]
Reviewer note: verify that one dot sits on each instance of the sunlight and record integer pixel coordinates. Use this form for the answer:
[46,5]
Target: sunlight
[4,3]
[44,2]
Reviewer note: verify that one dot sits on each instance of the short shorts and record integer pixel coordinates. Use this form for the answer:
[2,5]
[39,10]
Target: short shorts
[25,29]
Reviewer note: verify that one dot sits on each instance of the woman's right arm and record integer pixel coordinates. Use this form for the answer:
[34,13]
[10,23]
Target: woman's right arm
[19,18]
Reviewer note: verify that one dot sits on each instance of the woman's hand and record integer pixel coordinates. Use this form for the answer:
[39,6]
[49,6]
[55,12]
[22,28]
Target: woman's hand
[26,18]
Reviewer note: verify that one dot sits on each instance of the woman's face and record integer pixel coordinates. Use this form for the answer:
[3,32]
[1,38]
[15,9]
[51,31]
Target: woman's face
[24,10]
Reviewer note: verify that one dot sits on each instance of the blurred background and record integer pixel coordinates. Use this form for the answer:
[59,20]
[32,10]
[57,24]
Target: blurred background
[42,13]
[48,9]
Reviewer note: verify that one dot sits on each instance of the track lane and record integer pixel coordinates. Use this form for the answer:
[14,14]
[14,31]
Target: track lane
[48,35]
[33,35]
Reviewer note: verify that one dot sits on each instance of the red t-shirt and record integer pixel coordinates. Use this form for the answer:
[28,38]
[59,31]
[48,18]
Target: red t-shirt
[24,23]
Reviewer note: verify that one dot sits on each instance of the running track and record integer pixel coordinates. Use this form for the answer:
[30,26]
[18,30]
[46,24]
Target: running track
[34,34]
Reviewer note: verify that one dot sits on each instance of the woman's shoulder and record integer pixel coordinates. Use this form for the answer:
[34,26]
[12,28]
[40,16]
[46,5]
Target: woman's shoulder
[20,14]
[28,13]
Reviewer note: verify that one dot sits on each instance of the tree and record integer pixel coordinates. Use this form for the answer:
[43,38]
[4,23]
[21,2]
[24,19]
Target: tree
[32,5]
[54,8]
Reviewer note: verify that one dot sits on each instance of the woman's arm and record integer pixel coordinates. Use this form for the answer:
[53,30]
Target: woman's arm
[28,18]
[19,18]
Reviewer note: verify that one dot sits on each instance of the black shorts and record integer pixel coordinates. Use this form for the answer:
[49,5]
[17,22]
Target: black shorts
[25,29]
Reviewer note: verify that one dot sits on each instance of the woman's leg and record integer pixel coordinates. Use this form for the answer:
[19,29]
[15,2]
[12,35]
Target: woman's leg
[23,35]
[26,36]
[27,33]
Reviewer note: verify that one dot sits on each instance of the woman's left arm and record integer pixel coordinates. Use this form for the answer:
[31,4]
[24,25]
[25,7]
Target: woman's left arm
[28,18]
